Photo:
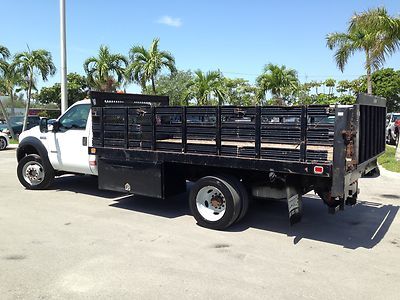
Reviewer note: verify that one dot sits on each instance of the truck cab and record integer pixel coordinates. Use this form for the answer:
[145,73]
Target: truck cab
[48,150]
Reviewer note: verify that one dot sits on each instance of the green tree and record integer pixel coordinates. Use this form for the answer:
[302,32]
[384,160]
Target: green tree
[239,92]
[358,85]
[204,86]
[316,85]
[77,90]
[172,85]
[343,86]
[101,70]
[386,83]
[346,99]
[145,64]
[280,81]
[330,84]
[30,63]
[303,93]
[374,32]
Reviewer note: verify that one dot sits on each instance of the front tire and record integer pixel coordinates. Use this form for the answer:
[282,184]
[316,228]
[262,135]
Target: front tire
[3,143]
[33,173]
[215,202]
[390,139]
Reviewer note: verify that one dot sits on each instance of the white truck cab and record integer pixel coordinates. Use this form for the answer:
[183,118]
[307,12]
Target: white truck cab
[62,147]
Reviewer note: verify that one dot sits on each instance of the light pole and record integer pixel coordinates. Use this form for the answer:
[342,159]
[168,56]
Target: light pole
[64,91]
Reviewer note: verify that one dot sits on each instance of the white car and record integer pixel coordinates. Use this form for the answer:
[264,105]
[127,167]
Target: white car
[4,141]
[391,118]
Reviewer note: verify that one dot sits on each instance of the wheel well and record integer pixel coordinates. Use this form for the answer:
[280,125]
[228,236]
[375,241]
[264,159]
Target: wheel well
[26,150]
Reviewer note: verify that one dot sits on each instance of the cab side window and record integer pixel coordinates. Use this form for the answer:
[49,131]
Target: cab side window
[75,118]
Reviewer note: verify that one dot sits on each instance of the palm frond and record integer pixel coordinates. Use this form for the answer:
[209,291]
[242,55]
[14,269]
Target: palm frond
[4,52]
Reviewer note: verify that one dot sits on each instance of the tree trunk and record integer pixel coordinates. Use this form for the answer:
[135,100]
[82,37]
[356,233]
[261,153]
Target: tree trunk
[369,83]
[153,85]
[12,103]
[3,110]
[27,104]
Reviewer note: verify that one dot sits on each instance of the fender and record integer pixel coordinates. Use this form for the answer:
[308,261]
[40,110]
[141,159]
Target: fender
[32,145]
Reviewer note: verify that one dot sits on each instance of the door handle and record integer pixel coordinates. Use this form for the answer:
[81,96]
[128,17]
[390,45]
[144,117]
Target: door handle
[84,141]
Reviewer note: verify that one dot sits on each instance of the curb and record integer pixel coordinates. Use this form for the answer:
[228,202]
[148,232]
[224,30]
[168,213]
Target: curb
[12,146]
[388,173]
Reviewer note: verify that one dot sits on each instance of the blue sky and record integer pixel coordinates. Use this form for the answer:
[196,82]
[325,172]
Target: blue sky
[237,37]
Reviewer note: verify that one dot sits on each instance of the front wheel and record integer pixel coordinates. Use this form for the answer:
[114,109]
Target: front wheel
[33,173]
[390,139]
[3,143]
[215,202]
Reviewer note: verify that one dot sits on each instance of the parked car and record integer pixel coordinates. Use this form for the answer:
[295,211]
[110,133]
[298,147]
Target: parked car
[391,119]
[4,141]
[397,131]
[17,123]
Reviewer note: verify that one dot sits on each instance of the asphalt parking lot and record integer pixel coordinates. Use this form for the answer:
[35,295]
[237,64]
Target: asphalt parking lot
[74,241]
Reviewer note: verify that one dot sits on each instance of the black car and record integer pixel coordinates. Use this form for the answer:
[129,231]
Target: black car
[17,123]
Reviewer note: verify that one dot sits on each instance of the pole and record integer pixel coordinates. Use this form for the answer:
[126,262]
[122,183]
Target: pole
[64,91]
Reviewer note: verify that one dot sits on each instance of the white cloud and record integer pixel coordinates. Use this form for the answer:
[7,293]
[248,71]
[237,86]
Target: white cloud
[167,20]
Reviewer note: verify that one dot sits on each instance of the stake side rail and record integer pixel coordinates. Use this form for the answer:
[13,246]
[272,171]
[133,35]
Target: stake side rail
[296,134]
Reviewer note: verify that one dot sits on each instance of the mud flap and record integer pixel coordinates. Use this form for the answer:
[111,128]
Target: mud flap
[295,206]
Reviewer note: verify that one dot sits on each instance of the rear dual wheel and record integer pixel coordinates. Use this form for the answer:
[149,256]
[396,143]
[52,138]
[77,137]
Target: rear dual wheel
[216,202]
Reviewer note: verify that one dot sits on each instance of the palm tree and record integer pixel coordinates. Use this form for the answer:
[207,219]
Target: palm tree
[330,83]
[9,81]
[101,70]
[145,65]
[204,86]
[30,63]
[374,32]
[4,67]
[343,86]
[278,80]
[4,52]
[316,85]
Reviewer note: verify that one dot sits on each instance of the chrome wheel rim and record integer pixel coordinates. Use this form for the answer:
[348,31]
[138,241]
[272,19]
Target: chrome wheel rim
[211,204]
[33,173]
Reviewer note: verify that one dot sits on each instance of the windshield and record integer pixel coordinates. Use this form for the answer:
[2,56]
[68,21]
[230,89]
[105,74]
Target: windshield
[19,120]
[16,120]
[395,118]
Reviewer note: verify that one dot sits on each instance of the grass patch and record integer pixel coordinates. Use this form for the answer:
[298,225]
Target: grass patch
[12,141]
[388,160]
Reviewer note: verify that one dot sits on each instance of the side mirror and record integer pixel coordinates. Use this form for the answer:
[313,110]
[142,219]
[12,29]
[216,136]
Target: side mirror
[43,125]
